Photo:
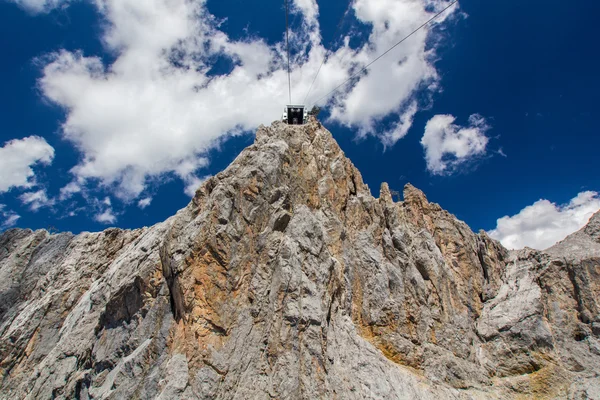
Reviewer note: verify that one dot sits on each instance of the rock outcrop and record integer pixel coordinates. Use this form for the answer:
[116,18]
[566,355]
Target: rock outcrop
[285,278]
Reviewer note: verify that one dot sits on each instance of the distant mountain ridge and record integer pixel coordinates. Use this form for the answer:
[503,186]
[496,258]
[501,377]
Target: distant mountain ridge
[285,278]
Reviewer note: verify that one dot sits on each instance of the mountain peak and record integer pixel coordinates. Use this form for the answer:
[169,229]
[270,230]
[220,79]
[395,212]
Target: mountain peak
[582,244]
[593,227]
[414,195]
[284,277]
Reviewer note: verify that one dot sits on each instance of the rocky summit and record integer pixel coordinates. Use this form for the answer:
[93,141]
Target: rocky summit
[285,278]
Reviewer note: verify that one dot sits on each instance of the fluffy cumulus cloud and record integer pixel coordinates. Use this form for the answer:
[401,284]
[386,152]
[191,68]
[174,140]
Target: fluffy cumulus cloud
[106,217]
[544,223]
[159,107]
[8,218]
[447,145]
[17,158]
[69,190]
[145,202]
[309,9]
[36,200]
[391,84]
[105,214]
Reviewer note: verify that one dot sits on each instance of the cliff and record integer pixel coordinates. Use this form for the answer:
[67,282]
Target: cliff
[285,278]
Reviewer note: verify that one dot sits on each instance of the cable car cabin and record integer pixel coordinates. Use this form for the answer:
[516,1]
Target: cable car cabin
[295,115]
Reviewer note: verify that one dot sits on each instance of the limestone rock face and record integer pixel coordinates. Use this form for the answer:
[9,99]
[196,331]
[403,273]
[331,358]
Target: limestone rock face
[285,278]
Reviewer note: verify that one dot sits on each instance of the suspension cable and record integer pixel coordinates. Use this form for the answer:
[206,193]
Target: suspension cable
[287,40]
[337,29]
[387,51]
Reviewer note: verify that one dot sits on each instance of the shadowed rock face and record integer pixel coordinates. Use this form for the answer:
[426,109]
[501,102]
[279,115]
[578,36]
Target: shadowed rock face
[285,278]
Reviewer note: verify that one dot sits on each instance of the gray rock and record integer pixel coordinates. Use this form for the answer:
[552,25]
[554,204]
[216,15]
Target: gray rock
[285,278]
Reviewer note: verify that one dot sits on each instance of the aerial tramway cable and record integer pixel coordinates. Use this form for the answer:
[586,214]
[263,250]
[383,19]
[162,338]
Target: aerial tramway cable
[386,52]
[287,40]
[337,29]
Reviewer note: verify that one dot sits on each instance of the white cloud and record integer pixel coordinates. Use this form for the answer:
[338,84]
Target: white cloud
[17,158]
[39,6]
[145,202]
[69,190]
[400,129]
[37,200]
[106,217]
[158,116]
[103,209]
[156,109]
[542,224]
[309,9]
[392,83]
[447,145]
[8,218]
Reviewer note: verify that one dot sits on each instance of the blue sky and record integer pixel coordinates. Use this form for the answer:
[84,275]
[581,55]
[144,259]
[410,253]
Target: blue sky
[491,112]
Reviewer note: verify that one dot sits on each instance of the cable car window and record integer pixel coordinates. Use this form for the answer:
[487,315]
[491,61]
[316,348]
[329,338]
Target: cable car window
[295,115]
